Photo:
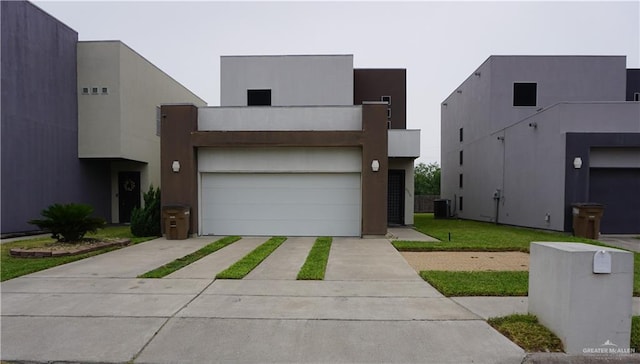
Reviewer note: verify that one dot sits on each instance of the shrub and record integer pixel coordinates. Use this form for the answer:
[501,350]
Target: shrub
[69,222]
[146,221]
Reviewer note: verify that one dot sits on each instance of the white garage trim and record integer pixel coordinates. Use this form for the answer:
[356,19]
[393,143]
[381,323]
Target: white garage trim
[277,160]
[291,204]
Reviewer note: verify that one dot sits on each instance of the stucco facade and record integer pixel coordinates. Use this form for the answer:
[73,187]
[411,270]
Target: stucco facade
[119,122]
[304,161]
[512,164]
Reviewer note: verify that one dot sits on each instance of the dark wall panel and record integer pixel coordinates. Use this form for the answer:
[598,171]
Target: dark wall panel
[372,84]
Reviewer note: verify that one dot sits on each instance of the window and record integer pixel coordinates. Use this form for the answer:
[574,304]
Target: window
[461,135]
[386,99]
[94,90]
[258,97]
[389,113]
[636,96]
[460,157]
[158,120]
[460,203]
[105,91]
[85,90]
[525,94]
[460,180]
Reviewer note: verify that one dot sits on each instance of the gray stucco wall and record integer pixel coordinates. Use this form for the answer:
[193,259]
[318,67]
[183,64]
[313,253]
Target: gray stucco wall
[302,80]
[40,164]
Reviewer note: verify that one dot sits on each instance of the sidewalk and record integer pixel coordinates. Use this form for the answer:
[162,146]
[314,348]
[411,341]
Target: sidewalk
[372,307]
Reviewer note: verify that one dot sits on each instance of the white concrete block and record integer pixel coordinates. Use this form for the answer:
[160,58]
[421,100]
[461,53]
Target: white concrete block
[590,312]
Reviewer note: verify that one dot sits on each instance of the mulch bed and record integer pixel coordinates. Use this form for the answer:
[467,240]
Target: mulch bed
[66,249]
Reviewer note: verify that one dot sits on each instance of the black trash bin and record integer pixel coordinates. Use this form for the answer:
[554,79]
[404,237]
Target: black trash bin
[441,208]
[177,219]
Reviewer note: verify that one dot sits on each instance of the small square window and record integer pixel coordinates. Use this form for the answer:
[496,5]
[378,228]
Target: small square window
[525,94]
[105,91]
[386,99]
[461,137]
[461,157]
[460,203]
[94,90]
[85,90]
[258,97]
[460,180]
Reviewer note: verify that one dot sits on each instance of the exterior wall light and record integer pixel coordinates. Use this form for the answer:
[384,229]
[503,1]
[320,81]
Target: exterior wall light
[375,165]
[175,166]
[577,162]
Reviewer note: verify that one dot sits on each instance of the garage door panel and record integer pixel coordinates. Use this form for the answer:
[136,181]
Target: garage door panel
[618,190]
[281,204]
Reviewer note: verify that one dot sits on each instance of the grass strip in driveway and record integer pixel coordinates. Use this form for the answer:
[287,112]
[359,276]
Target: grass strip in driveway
[190,258]
[316,264]
[12,267]
[244,266]
[478,283]
[635,333]
[527,332]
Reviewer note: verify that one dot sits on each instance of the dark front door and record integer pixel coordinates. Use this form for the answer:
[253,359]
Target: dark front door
[395,197]
[128,194]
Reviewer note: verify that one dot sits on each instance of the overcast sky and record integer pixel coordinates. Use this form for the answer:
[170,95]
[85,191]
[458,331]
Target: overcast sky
[439,43]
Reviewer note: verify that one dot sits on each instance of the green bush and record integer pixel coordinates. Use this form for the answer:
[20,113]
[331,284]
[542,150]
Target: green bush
[146,221]
[69,222]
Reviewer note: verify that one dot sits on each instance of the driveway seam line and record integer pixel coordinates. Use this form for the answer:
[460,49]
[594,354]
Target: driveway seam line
[155,334]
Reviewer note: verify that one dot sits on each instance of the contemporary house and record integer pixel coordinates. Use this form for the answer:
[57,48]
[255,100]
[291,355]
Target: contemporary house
[526,137]
[301,145]
[79,119]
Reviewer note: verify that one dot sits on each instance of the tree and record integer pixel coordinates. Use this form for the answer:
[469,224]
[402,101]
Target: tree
[146,221]
[69,222]
[427,179]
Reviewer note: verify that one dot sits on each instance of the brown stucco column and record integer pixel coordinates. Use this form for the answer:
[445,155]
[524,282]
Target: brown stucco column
[374,184]
[179,188]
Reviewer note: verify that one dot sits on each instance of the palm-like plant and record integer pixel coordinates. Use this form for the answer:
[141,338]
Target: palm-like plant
[69,222]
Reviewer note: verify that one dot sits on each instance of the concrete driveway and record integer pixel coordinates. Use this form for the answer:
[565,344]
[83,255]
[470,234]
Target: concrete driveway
[371,307]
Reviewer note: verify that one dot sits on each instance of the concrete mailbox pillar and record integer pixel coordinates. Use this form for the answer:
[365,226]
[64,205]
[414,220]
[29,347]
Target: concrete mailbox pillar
[583,293]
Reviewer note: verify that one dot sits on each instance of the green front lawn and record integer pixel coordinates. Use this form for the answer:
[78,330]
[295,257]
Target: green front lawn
[505,283]
[11,267]
[527,332]
[467,235]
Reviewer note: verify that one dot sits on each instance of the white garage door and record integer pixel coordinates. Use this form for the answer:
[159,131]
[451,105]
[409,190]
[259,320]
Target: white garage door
[290,204]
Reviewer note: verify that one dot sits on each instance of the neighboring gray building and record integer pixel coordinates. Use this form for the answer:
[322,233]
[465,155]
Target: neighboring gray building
[79,120]
[40,164]
[513,129]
